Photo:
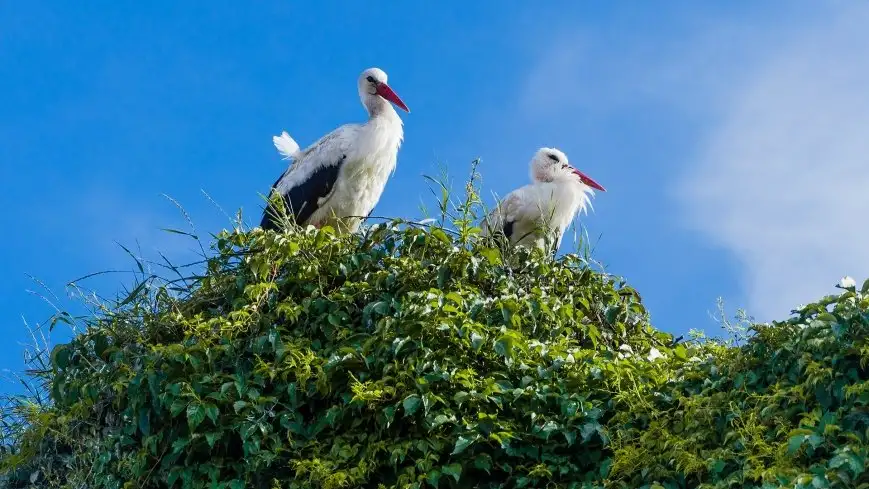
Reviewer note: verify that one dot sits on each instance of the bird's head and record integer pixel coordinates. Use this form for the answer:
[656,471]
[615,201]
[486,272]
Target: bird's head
[550,165]
[372,86]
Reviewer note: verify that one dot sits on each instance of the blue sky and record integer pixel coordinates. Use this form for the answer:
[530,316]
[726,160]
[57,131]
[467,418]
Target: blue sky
[730,135]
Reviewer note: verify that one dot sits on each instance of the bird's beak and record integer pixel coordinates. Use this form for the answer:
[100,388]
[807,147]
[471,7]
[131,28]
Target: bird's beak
[588,181]
[384,91]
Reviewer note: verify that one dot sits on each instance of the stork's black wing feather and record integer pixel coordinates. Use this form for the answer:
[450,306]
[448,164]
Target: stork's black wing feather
[302,200]
[508,230]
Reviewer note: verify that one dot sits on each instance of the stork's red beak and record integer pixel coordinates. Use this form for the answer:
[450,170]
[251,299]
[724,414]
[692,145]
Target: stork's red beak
[384,91]
[588,181]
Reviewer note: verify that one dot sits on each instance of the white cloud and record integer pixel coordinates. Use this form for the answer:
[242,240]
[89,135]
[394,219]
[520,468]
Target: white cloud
[783,181]
[779,175]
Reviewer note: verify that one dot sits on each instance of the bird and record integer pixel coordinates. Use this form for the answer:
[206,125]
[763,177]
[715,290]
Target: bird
[339,179]
[543,209]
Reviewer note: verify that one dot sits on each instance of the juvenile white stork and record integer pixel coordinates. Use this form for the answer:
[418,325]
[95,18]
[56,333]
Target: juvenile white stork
[558,192]
[339,179]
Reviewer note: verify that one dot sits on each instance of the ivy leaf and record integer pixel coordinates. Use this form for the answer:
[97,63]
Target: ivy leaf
[178,405]
[444,275]
[60,357]
[179,445]
[852,460]
[604,469]
[195,415]
[589,429]
[483,461]
[433,477]
[680,352]
[504,346]
[461,444]
[411,404]
[439,420]
[211,438]
[476,341]
[212,412]
[100,345]
[795,443]
[492,255]
[453,470]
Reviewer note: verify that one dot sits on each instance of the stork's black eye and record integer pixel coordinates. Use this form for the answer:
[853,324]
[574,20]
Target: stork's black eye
[370,79]
[553,158]
[564,166]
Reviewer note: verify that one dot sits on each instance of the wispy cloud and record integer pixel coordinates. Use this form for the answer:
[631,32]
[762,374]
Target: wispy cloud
[782,180]
[775,156]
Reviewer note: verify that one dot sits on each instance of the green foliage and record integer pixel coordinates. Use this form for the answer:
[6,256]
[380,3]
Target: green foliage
[411,357]
[320,360]
[790,408]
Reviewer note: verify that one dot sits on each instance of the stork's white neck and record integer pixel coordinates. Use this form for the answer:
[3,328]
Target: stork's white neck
[566,198]
[377,106]
[384,125]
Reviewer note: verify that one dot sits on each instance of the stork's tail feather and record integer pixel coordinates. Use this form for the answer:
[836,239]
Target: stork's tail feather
[287,146]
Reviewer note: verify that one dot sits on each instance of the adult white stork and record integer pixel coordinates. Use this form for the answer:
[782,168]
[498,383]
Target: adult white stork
[339,179]
[558,192]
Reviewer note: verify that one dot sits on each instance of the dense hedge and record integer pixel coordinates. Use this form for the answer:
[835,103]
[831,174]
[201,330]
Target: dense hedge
[410,357]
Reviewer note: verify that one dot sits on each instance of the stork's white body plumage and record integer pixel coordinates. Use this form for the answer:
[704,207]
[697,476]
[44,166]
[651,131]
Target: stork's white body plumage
[541,211]
[339,179]
[536,209]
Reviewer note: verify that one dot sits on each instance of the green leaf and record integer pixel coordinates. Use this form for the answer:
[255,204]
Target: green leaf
[439,420]
[212,438]
[476,341]
[212,412]
[441,236]
[179,445]
[101,343]
[177,407]
[483,461]
[492,255]
[462,443]
[433,477]
[195,415]
[504,346]
[60,357]
[604,469]
[238,406]
[588,429]
[795,443]
[680,352]
[444,274]
[453,470]
[411,404]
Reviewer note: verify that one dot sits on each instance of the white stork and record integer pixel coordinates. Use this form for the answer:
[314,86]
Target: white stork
[339,179]
[558,192]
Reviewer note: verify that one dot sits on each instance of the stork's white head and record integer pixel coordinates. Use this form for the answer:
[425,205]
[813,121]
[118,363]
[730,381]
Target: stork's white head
[551,165]
[374,91]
